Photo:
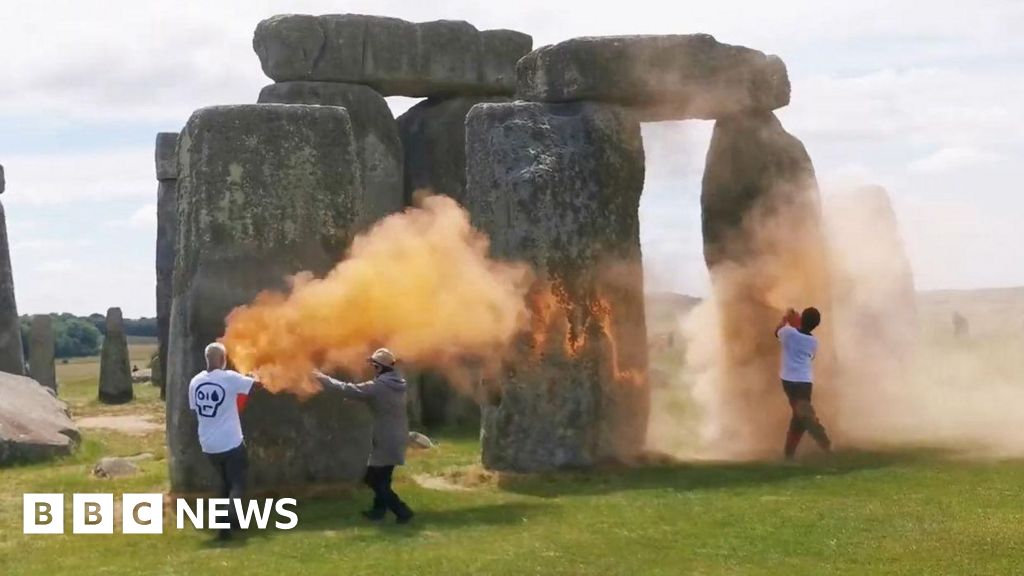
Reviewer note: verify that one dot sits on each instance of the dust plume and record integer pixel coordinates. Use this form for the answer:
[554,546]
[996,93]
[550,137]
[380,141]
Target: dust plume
[419,282]
[732,352]
[900,375]
[905,378]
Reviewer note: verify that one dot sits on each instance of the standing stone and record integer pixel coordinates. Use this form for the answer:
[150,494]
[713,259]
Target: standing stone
[433,136]
[442,404]
[558,186]
[41,351]
[764,248]
[394,57]
[12,356]
[166,232]
[671,77]
[264,191]
[875,304]
[115,368]
[377,143]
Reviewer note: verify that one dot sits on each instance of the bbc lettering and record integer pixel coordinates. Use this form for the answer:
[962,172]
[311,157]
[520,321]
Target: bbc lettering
[144,513]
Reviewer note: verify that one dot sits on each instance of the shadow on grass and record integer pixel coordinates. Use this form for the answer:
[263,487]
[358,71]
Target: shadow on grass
[333,515]
[690,476]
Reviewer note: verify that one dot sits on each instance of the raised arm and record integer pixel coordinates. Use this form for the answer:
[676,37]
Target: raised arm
[789,319]
[362,391]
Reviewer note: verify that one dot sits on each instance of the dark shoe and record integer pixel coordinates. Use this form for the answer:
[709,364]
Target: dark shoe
[373,515]
[405,518]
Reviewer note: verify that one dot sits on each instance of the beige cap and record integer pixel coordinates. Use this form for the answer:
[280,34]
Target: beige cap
[384,357]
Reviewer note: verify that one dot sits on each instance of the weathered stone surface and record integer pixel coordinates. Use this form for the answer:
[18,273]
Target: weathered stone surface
[377,142]
[264,191]
[664,77]
[558,186]
[41,351]
[392,56]
[3,181]
[166,237]
[34,425]
[433,136]
[166,233]
[166,156]
[764,247]
[12,356]
[115,368]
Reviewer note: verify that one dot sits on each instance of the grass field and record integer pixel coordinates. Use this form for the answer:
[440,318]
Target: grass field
[905,512]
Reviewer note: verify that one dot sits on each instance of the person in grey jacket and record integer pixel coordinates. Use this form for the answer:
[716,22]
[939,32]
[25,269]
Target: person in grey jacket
[385,395]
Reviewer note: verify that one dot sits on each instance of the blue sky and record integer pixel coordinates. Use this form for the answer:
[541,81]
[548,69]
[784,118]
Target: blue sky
[922,98]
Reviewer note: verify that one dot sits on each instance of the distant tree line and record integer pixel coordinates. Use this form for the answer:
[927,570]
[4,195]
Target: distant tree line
[82,335]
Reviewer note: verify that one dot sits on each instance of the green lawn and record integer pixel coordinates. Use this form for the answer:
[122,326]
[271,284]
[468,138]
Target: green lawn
[910,512]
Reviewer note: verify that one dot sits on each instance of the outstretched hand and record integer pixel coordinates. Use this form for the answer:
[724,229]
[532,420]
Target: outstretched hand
[321,377]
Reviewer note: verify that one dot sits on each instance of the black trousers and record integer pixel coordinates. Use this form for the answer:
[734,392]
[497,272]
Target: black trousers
[378,478]
[231,468]
[803,419]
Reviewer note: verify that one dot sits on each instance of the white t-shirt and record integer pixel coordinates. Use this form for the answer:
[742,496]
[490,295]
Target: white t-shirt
[798,349]
[212,395]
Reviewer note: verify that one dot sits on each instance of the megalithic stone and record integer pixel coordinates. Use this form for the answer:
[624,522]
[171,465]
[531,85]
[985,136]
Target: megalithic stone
[433,136]
[42,348]
[264,191]
[394,57]
[669,77]
[875,304]
[558,186]
[377,143]
[115,367]
[765,251]
[12,356]
[166,232]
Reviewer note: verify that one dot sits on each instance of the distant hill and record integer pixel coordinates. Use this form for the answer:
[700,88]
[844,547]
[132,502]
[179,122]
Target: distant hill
[989,311]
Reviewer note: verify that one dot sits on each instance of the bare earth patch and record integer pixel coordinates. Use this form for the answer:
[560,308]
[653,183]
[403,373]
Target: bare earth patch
[457,479]
[134,424]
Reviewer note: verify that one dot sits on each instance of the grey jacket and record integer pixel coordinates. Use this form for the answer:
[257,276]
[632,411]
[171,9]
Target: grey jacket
[386,396]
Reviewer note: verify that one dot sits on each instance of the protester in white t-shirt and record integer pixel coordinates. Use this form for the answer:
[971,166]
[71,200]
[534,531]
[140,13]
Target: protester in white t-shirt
[799,348]
[216,396]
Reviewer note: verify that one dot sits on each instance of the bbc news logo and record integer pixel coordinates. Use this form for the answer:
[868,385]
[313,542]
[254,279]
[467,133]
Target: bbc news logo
[144,513]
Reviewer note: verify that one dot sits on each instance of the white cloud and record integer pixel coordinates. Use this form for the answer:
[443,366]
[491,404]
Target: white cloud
[925,106]
[61,266]
[144,218]
[952,159]
[61,178]
[916,96]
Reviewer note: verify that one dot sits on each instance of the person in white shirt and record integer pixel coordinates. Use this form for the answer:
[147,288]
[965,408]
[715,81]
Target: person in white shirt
[216,395]
[798,350]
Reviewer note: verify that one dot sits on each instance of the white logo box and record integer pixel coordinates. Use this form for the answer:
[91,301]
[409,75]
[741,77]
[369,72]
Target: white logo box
[94,513]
